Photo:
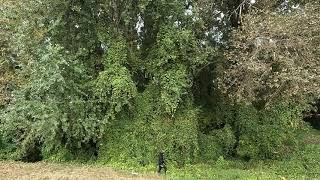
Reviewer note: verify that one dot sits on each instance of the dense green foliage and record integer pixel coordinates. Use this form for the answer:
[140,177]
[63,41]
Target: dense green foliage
[117,81]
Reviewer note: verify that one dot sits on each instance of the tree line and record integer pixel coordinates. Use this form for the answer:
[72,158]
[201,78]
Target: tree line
[121,80]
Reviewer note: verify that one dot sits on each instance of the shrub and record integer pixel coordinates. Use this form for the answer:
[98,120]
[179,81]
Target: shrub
[268,133]
[219,143]
[137,138]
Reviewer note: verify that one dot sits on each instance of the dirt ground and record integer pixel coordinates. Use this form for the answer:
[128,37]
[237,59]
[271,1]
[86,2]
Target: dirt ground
[48,171]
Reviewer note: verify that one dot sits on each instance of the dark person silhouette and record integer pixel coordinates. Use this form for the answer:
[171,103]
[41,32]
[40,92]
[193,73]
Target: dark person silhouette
[162,163]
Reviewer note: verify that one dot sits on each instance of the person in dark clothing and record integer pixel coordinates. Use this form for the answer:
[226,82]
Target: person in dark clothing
[162,163]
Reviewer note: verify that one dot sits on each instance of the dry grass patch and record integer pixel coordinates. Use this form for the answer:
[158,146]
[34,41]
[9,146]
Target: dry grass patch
[49,171]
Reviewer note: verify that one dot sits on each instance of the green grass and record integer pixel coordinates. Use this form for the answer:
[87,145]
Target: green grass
[302,164]
[212,172]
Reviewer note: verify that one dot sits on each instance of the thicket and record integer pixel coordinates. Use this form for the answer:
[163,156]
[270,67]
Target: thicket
[121,80]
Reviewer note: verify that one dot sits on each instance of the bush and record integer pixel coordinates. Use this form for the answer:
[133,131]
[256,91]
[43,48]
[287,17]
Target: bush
[137,138]
[268,133]
[6,149]
[216,144]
